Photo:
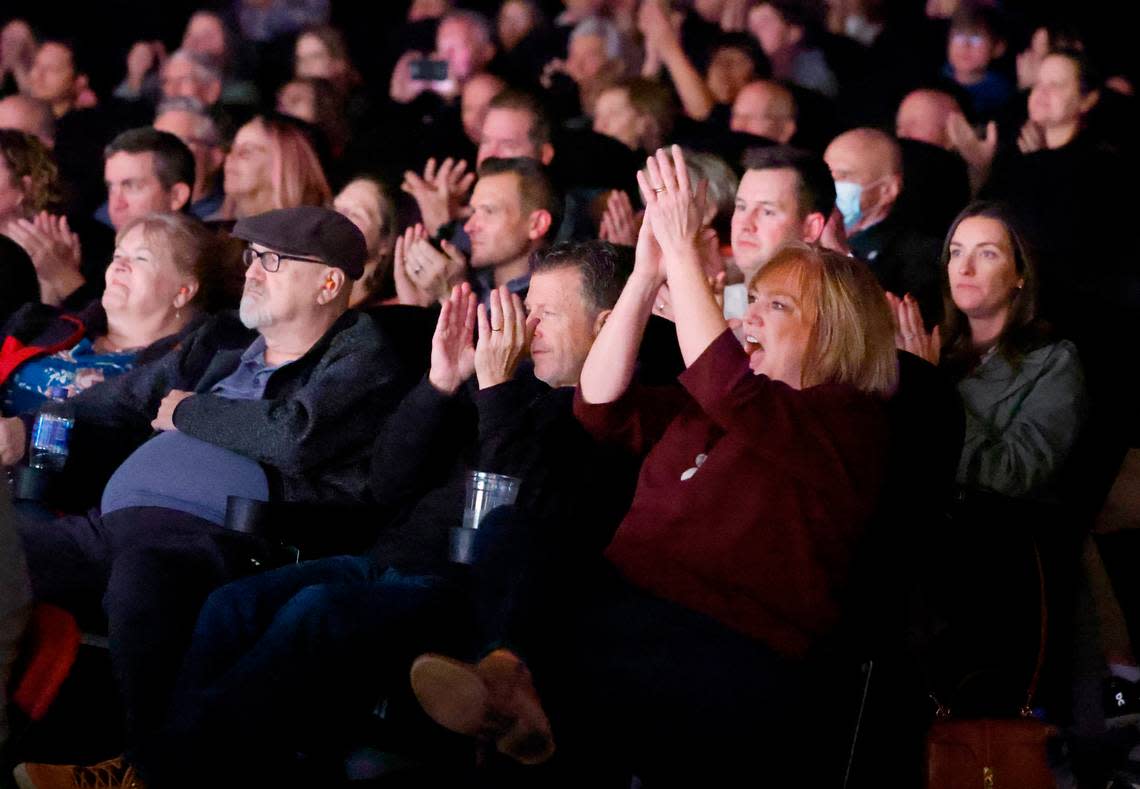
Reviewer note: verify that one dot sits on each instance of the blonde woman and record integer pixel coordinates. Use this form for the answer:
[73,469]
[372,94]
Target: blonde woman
[685,651]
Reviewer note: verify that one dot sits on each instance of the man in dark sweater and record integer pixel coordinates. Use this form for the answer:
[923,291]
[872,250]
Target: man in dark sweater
[287,412]
[283,662]
[867,167]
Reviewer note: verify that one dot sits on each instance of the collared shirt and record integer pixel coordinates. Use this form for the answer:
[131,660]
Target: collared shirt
[248,381]
[483,282]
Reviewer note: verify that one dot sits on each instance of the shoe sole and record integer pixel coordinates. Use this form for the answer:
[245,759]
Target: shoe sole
[454,695]
[451,693]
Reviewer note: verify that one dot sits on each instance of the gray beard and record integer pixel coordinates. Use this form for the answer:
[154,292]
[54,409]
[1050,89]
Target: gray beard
[254,315]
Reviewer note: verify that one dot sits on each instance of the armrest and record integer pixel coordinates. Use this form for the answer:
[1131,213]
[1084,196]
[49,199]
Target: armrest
[308,530]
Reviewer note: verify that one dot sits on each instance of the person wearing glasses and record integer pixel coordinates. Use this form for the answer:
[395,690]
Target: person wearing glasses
[975,43]
[285,412]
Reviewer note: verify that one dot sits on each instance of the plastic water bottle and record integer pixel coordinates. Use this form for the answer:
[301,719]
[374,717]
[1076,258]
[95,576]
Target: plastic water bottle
[51,433]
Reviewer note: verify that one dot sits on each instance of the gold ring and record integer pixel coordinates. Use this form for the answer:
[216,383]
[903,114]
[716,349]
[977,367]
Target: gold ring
[659,189]
[500,328]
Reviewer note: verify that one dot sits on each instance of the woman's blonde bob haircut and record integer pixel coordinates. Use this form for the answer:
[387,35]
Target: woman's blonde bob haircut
[852,339]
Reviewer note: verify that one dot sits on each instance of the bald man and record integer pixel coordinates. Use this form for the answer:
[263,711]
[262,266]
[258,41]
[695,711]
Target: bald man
[866,165]
[923,115]
[765,109]
[29,115]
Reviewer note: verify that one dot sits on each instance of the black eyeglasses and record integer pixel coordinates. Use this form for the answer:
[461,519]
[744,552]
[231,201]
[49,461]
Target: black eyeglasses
[270,260]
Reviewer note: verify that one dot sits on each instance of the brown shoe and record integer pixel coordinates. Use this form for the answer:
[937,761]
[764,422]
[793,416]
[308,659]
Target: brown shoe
[494,700]
[111,774]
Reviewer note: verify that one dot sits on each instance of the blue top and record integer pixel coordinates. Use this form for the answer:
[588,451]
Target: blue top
[483,282]
[74,370]
[203,209]
[987,96]
[179,472]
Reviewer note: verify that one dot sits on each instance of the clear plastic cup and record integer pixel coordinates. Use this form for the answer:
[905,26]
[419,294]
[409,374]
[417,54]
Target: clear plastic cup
[485,492]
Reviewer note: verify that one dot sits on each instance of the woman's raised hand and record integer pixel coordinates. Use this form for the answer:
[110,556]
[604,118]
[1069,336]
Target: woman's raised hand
[910,331]
[671,209]
[619,223]
[504,336]
[452,345]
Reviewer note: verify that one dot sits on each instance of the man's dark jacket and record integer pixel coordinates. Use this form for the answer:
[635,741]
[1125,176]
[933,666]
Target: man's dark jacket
[521,428]
[312,431]
[904,261]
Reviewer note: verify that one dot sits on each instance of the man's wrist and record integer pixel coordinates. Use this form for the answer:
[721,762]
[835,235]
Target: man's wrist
[446,386]
[487,380]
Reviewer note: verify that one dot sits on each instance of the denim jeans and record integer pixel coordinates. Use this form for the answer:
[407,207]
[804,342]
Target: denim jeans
[284,662]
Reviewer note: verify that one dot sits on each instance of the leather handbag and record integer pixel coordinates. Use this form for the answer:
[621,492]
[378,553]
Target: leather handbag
[993,753]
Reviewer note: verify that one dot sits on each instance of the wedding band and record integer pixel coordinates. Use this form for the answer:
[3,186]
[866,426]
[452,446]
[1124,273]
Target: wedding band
[908,336]
[659,189]
[496,328]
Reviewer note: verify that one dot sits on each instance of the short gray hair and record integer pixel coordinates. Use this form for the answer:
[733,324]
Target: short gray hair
[206,128]
[603,29]
[474,20]
[722,181]
[206,69]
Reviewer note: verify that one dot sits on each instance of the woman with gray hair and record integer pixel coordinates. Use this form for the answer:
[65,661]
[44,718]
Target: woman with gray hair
[620,225]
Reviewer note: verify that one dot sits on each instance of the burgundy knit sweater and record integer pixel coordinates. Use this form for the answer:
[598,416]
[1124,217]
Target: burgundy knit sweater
[752,495]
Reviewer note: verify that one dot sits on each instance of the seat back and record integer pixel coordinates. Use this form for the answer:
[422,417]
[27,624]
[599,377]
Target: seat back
[51,648]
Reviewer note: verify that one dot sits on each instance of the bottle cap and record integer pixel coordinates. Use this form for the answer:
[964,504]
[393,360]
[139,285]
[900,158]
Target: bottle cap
[57,393]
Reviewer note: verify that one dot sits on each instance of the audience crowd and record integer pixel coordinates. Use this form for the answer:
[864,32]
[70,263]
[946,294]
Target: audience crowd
[799,323]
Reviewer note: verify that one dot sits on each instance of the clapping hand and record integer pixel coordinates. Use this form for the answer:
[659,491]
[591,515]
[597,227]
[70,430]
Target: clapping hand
[55,252]
[619,223]
[910,331]
[452,345]
[504,337]
[144,57]
[439,193]
[835,234]
[671,208]
[422,273]
[978,153]
[1031,138]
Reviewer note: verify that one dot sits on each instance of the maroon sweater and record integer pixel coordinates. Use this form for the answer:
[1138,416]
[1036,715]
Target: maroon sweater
[761,536]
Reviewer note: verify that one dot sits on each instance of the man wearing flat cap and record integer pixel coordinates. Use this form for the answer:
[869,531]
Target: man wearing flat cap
[286,412]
